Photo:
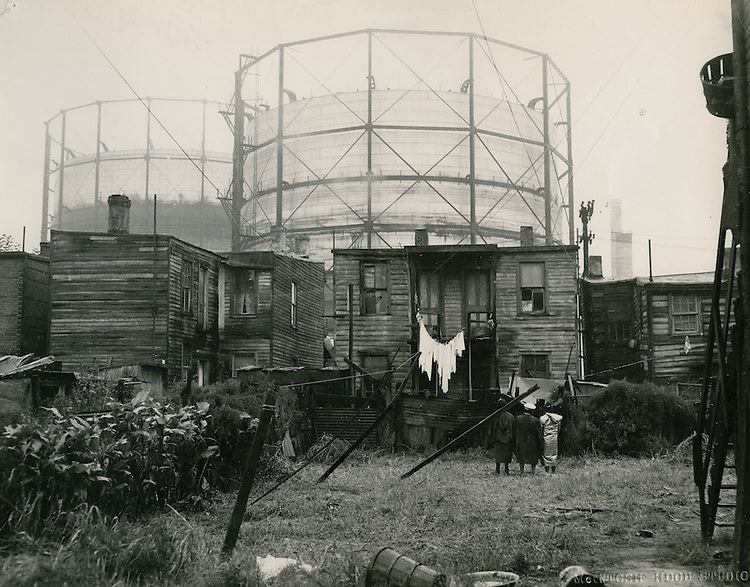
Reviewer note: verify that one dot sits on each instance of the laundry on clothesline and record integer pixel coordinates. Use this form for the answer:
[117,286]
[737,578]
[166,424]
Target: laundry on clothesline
[442,354]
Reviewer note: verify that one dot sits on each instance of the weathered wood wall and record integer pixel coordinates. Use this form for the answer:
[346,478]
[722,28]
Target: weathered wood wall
[611,359]
[116,300]
[387,334]
[184,327]
[553,332]
[301,344]
[104,289]
[670,362]
[11,302]
[36,306]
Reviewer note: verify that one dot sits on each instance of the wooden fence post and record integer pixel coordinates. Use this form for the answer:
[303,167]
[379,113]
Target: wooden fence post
[248,476]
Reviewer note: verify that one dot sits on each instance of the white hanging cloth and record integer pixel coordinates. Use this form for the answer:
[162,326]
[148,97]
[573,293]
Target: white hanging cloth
[443,354]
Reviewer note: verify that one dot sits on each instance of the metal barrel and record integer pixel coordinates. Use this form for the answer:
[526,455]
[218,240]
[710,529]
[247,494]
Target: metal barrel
[389,567]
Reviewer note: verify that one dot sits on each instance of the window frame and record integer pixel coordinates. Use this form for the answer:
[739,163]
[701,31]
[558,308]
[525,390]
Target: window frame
[477,326]
[618,313]
[544,289]
[674,314]
[240,280]
[536,355]
[432,313]
[203,295]
[187,276]
[293,304]
[251,354]
[364,264]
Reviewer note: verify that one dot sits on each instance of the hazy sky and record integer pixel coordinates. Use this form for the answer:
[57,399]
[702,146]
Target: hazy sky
[641,133]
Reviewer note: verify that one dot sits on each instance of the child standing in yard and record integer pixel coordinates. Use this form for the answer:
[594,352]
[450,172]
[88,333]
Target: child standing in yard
[550,431]
[529,439]
[503,433]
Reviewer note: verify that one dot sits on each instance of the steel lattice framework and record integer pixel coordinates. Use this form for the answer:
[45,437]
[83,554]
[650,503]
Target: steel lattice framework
[358,139]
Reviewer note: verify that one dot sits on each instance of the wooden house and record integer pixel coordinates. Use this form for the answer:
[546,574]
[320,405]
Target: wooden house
[159,308]
[646,329]
[122,300]
[516,308]
[24,304]
[271,311]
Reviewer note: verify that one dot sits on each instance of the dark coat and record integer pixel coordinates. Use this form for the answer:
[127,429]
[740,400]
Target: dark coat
[503,433]
[529,439]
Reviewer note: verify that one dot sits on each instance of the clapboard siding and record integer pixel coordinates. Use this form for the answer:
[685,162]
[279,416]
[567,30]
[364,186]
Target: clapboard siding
[301,344]
[607,358]
[36,306]
[389,333]
[11,302]
[268,333]
[553,332]
[431,421]
[670,361]
[655,351]
[184,327]
[116,299]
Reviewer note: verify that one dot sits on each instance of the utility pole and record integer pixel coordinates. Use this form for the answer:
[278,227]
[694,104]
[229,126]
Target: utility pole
[586,212]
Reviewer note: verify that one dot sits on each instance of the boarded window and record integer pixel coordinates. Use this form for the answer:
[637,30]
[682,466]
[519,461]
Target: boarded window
[535,365]
[374,288]
[685,314]
[240,360]
[531,284]
[186,286]
[245,292]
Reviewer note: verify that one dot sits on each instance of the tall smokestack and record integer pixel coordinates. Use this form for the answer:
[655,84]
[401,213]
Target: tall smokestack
[119,214]
[622,243]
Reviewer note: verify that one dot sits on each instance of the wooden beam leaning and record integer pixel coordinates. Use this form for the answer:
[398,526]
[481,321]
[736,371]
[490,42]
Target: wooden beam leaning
[248,475]
[375,423]
[514,402]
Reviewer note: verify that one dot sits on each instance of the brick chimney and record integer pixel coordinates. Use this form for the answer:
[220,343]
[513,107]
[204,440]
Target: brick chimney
[119,214]
[421,238]
[527,236]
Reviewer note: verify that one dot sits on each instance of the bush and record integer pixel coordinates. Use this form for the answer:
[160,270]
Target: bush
[129,459]
[629,419]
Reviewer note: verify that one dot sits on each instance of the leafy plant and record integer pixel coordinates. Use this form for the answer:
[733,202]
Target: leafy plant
[129,459]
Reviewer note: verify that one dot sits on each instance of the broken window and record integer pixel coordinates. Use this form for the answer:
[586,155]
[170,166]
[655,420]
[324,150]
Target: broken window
[374,288]
[685,314]
[531,283]
[535,366]
[186,285]
[245,298]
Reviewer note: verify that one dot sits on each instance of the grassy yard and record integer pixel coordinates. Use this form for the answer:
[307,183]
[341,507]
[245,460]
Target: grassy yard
[455,515]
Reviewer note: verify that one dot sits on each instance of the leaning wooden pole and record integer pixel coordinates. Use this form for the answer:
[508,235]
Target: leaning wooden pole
[248,476]
[438,452]
[372,426]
